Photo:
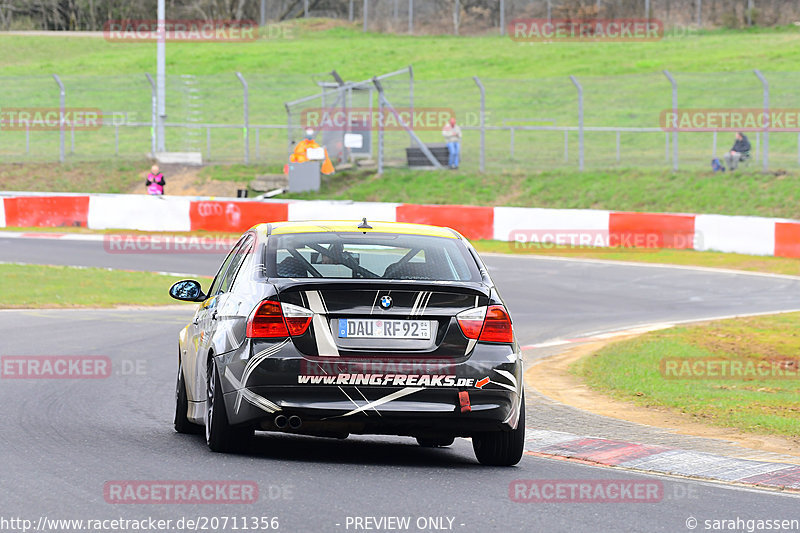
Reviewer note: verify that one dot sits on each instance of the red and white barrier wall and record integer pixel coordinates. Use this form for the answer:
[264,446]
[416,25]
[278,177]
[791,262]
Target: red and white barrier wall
[746,235]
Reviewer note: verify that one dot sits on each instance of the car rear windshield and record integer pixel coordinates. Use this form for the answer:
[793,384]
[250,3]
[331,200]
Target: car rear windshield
[356,255]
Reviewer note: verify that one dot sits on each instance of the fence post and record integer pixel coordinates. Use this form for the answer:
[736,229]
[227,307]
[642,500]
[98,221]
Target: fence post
[153,114]
[749,12]
[208,143]
[61,119]
[366,14]
[263,13]
[305,8]
[618,146]
[483,122]
[411,17]
[350,15]
[549,10]
[674,119]
[699,13]
[580,121]
[411,88]
[647,9]
[765,85]
[512,142]
[502,17]
[161,78]
[566,145]
[380,133]
[246,118]
[456,8]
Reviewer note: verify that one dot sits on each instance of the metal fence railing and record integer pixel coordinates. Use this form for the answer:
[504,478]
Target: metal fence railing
[508,124]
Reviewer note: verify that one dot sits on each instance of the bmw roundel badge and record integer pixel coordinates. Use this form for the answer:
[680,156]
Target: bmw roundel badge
[386,302]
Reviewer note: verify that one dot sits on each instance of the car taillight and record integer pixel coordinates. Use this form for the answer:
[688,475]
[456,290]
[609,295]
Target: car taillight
[471,322]
[489,324]
[297,318]
[274,319]
[497,325]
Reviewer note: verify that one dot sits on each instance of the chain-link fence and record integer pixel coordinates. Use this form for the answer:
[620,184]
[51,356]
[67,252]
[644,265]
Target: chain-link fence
[527,123]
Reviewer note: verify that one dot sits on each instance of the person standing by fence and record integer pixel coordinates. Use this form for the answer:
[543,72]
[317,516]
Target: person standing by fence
[155,181]
[452,134]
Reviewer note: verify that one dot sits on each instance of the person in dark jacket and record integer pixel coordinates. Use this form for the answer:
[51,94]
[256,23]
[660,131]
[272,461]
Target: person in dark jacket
[155,181]
[740,148]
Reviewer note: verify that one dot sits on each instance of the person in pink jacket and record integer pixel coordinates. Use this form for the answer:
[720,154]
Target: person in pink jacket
[155,181]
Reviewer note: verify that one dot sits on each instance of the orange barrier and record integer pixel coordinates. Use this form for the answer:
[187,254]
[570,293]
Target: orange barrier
[787,239]
[651,230]
[215,215]
[473,222]
[46,211]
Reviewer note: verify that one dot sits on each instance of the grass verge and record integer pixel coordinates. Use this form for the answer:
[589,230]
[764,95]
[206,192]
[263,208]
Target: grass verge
[623,190]
[631,370]
[43,286]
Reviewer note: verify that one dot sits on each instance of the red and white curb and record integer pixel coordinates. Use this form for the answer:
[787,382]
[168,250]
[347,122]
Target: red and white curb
[662,460]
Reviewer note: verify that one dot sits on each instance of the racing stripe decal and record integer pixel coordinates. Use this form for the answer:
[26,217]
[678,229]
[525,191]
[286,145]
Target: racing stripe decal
[508,375]
[326,346]
[420,303]
[258,358]
[250,396]
[386,399]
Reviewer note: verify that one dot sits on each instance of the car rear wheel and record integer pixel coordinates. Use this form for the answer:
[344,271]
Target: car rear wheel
[181,422]
[220,435]
[501,448]
[435,442]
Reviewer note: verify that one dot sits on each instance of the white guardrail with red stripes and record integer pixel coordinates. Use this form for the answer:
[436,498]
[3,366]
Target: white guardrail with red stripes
[583,227]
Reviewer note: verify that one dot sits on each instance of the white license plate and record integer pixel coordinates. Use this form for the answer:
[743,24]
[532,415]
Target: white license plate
[369,328]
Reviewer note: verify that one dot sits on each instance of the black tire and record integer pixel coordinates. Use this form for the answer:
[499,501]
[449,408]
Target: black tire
[220,435]
[435,442]
[181,422]
[501,448]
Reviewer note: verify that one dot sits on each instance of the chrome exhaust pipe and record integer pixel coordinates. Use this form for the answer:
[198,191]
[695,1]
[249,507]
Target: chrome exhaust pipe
[295,422]
[281,421]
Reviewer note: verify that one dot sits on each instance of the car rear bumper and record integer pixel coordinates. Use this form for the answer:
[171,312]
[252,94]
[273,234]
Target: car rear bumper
[391,395]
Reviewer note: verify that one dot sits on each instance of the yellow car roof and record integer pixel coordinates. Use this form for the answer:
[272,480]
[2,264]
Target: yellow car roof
[345,226]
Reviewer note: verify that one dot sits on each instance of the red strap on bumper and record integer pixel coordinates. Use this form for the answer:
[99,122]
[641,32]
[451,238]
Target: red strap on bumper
[463,400]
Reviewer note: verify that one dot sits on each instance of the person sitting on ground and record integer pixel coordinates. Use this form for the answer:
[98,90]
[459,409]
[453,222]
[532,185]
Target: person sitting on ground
[300,154]
[739,150]
[155,181]
[452,134]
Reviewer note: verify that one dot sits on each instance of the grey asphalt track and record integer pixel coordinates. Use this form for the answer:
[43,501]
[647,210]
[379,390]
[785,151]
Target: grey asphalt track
[61,440]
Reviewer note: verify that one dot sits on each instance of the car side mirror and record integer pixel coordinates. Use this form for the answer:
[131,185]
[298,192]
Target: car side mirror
[187,290]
